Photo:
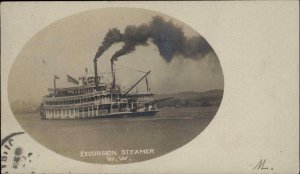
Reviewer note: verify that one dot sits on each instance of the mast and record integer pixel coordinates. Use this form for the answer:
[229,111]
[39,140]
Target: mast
[151,103]
[128,90]
[147,84]
[54,87]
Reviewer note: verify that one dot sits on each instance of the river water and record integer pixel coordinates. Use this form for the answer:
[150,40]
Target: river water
[81,139]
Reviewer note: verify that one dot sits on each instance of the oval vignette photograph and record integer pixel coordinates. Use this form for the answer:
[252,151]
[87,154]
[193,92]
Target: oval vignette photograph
[116,85]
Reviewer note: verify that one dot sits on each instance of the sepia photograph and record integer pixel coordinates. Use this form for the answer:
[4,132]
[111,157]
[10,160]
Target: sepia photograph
[123,90]
[150,87]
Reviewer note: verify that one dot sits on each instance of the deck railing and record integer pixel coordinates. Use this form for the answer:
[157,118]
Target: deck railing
[84,104]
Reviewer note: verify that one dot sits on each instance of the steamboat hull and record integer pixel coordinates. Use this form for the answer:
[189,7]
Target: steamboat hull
[114,115]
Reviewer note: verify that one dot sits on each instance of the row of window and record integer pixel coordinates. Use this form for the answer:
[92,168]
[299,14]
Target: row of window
[78,92]
[91,99]
[90,111]
[72,111]
[86,109]
[78,115]
[76,101]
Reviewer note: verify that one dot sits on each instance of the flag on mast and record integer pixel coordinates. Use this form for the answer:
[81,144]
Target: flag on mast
[56,77]
[54,88]
[72,80]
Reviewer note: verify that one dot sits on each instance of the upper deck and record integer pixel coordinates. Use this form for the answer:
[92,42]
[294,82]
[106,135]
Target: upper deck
[77,90]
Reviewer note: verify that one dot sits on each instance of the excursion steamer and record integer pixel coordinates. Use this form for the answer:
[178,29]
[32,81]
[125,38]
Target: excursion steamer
[93,99]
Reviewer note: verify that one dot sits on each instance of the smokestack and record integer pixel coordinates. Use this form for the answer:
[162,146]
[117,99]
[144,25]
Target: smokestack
[112,36]
[113,74]
[96,74]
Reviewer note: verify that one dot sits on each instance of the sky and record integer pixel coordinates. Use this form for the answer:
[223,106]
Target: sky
[68,46]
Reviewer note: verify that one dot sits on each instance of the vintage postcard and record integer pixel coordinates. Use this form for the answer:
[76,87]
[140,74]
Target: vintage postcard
[150,87]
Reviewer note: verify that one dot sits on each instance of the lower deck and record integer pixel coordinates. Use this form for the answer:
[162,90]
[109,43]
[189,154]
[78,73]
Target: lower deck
[109,115]
[92,111]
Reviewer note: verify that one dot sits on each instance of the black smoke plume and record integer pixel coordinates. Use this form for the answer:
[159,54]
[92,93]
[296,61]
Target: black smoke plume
[112,36]
[168,37]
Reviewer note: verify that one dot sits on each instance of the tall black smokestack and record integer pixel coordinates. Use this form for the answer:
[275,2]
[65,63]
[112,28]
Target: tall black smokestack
[113,74]
[112,36]
[96,74]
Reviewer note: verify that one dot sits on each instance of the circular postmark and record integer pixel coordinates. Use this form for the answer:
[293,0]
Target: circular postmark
[14,156]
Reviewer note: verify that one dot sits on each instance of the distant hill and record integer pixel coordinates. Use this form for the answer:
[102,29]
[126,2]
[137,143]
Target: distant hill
[192,99]
[181,99]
